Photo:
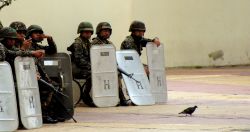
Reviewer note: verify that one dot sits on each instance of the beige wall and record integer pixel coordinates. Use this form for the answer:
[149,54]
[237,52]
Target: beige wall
[189,29]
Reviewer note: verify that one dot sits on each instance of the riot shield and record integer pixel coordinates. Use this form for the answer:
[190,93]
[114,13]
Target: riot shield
[104,75]
[28,92]
[8,105]
[137,83]
[157,73]
[58,67]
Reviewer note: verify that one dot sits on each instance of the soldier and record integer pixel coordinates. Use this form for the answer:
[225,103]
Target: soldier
[136,40]
[8,39]
[21,29]
[80,57]
[35,33]
[103,32]
[8,51]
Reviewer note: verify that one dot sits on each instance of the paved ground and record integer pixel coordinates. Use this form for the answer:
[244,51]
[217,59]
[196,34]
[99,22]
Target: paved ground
[221,94]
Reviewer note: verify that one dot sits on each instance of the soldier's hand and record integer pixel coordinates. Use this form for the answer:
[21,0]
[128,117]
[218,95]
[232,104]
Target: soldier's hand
[157,41]
[38,53]
[46,36]
[38,76]
[26,44]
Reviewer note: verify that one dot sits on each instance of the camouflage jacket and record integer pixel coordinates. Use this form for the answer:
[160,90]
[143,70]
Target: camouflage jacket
[2,53]
[80,52]
[50,49]
[131,43]
[97,40]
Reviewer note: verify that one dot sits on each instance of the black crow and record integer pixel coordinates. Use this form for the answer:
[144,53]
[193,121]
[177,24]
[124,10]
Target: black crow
[189,110]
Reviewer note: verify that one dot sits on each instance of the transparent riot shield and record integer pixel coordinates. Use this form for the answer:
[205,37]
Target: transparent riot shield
[8,105]
[58,67]
[104,75]
[137,83]
[28,92]
[157,73]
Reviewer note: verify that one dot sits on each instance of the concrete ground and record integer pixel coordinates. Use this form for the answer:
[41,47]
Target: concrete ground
[221,94]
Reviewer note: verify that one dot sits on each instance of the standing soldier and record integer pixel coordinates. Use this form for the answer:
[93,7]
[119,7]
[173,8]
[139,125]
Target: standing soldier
[21,29]
[136,40]
[80,57]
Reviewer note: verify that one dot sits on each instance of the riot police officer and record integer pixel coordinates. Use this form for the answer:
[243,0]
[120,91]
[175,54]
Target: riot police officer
[136,39]
[80,58]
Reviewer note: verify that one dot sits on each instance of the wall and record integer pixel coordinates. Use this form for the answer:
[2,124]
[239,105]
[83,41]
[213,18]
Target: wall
[189,29]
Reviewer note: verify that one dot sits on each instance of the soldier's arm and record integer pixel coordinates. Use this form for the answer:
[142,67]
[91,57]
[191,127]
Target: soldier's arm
[144,41]
[51,49]
[126,45]
[14,53]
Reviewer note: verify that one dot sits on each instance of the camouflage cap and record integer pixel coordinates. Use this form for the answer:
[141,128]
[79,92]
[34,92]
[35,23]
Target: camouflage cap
[137,26]
[85,26]
[8,32]
[103,25]
[18,26]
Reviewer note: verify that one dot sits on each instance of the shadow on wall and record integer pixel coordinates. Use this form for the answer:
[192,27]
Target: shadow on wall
[216,55]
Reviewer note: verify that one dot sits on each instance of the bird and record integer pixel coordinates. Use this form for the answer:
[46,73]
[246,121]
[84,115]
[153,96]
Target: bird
[189,110]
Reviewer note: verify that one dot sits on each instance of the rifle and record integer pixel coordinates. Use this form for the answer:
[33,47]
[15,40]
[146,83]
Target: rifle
[56,97]
[128,75]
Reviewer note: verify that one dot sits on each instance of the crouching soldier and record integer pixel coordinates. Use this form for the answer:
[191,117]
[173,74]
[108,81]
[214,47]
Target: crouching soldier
[49,104]
[80,57]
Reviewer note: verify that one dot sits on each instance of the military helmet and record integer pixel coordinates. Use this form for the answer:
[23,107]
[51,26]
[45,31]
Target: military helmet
[137,25]
[103,25]
[18,26]
[7,32]
[85,26]
[33,28]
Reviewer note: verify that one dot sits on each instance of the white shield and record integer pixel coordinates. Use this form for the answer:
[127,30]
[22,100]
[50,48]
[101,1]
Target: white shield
[8,105]
[104,75]
[28,92]
[139,92]
[157,73]
[58,67]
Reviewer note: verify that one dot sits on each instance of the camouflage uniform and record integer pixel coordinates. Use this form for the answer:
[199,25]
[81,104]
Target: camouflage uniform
[2,53]
[134,42]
